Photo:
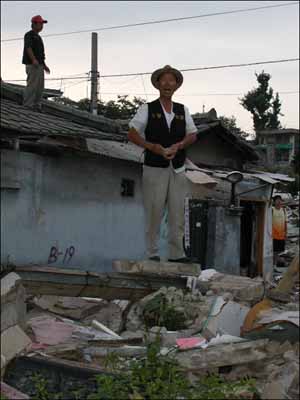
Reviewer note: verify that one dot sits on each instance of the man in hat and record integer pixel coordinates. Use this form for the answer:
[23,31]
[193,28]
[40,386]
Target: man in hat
[164,129]
[34,59]
[279,229]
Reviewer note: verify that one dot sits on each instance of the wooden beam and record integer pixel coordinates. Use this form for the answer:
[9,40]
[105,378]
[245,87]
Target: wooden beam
[109,286]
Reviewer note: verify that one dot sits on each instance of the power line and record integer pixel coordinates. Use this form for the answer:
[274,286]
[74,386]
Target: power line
[207,68]
[52,79]
[159,21]
[182,70]
[190,94]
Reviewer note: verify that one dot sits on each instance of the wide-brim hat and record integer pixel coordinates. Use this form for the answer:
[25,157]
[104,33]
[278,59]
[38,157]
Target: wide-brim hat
[166,69]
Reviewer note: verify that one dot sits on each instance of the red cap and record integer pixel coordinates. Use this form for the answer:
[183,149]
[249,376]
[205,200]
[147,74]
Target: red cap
[38,19]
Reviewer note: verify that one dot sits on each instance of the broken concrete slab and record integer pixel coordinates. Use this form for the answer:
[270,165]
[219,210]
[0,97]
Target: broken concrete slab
[283,383]
[49,331]
[124,351]
[11,393]
[243,289]
[13,342]
[229,319]
[13,306]
[108,286]
[156,267]
[71,307]
[222,355]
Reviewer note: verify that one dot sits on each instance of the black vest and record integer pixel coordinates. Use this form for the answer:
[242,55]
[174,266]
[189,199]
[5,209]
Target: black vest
[157,131]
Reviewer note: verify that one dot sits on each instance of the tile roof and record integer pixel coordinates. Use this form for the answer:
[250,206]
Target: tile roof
[17,118]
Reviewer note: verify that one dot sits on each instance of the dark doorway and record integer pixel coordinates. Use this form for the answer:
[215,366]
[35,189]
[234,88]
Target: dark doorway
[248,217]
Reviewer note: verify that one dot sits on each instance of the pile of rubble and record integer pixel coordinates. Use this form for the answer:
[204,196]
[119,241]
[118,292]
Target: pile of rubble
[220,324]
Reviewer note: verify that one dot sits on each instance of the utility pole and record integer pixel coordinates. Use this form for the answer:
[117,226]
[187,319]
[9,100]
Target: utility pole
[94,73]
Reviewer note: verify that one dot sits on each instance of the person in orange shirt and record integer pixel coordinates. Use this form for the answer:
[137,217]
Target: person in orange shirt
[279,227]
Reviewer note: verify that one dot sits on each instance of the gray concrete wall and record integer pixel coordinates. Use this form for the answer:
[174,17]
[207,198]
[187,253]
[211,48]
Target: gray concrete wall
[69,212]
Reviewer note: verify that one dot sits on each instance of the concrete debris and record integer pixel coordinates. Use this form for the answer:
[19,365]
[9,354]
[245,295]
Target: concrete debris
[50,331]
[11,393]
[244,290]
[103,328]
[71,307]
[124,351]
[186,309]
[111,315]
[156,267]
[13,306]
[222,355]
[228,319]
[224,324]
[283,383]
[13,342]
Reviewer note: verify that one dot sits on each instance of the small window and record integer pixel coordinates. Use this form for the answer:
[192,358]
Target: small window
[127,188]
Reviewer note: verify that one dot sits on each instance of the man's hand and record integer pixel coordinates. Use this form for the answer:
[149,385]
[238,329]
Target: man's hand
[46,69]
[171,151]
[35,62]
[158,149]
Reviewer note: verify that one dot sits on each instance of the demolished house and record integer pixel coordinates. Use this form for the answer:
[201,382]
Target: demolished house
[71,187]
[80,291]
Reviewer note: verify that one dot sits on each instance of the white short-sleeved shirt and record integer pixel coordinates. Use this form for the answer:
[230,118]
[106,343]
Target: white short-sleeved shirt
[140,120]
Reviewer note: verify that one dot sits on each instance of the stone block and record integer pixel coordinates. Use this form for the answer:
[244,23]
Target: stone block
[13,342]
[223,355]
[13,305]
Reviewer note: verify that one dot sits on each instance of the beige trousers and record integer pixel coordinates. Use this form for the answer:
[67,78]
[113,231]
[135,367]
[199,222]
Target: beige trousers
[163,188]
[35,85]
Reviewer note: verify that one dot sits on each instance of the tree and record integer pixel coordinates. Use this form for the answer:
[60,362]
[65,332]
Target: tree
[122,108]
[230,124]
[261,103]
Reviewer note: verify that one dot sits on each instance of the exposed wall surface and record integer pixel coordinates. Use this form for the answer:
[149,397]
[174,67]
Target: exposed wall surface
[69,212]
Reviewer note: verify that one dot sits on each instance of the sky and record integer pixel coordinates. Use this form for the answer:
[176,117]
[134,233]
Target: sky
[260,35]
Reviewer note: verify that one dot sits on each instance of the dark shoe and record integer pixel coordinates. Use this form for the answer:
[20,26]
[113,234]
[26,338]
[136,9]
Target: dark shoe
[154,258]
[184,260]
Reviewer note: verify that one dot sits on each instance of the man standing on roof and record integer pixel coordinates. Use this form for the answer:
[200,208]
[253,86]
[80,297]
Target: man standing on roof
[279,228]
[34,59]
[164,129]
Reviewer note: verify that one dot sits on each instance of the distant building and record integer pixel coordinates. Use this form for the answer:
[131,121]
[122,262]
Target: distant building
[278,146]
